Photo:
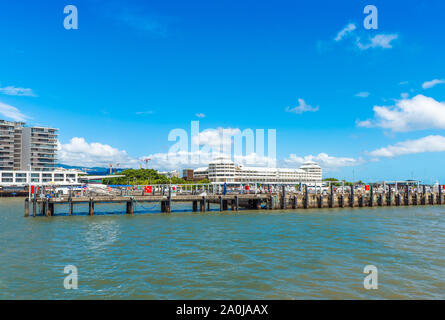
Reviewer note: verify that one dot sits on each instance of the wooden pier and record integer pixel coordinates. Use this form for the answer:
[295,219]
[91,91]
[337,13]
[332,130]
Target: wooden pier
[273,201]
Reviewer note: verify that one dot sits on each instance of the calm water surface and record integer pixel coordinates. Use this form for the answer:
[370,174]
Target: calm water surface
[295,254]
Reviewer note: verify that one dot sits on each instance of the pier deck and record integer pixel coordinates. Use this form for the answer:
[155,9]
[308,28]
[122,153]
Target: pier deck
[271,201]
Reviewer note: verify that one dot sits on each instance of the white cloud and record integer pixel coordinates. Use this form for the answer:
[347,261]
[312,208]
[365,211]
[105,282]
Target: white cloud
[11,112]
[417,113]
[221,137]
[378,41]
[144,112]
[302,107]
[345,31]
[404,95]
[364,124]
[200,115]
[14,91]
[325,161]
[432,83]
[79,152]
[363,94]
[433,143]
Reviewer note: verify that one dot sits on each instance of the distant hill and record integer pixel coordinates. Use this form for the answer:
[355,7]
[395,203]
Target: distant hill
[97,171]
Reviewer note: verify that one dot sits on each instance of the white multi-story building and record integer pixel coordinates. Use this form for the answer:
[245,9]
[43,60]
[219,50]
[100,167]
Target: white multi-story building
[25,178]
[224,170]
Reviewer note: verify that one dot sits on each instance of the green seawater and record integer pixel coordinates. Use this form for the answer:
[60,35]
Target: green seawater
[293,254]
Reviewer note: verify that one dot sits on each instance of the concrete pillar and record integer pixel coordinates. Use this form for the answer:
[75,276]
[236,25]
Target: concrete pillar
[295,202]
[320,201]
[342,200]
[271,203]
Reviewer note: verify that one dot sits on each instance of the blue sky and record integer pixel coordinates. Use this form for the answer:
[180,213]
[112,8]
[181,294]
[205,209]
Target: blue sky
[135,70]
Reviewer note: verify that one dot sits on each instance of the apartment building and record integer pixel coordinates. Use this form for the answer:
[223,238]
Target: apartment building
[22,146]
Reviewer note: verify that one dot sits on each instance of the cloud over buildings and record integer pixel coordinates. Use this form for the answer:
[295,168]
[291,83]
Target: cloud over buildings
[417,113]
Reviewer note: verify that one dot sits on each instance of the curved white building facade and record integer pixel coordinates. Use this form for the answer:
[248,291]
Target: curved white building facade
[224,170]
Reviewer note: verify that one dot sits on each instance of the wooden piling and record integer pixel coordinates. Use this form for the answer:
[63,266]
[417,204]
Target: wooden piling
[203,205]
[195,205]
[91,207]
[361,200]
[271,203]
[389,200]
[352,198]
[70,206]
[283,198]
[130,207]
[49,208]
[236,203]
[26,207]
[331,197]
[398,199]
[34,206]
[221,205]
